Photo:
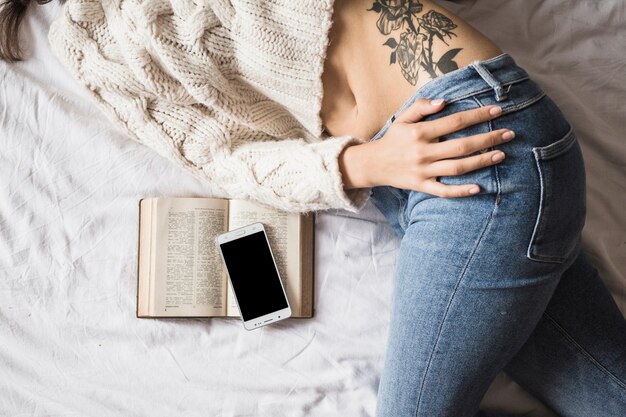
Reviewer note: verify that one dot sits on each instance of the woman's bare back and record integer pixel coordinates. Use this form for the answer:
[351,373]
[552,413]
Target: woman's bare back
[382,51]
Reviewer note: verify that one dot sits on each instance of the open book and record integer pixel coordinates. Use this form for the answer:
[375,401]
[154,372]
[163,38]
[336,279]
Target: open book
[180,271]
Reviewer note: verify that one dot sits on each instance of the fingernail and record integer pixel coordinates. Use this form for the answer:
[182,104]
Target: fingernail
[494,111]
[498,157]
[474,190]
[437,102]
[508,135]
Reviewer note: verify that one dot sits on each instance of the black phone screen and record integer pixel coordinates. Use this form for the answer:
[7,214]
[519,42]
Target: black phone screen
[253,276]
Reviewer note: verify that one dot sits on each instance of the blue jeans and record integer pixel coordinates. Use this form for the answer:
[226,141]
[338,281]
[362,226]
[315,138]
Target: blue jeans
[498,281]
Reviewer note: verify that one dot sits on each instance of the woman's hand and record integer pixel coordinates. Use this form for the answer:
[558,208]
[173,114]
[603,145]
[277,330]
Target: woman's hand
[410,156]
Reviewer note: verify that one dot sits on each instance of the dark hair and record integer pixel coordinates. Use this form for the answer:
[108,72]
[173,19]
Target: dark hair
[11,15]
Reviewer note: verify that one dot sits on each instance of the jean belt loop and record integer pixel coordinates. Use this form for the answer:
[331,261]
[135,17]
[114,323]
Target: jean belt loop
[490,79]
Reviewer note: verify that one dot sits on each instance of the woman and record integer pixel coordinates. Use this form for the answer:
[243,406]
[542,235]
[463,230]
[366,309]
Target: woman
[485,281]
[491,282]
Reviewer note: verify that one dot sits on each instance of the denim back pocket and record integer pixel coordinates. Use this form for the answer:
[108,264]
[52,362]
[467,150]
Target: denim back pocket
[561,214]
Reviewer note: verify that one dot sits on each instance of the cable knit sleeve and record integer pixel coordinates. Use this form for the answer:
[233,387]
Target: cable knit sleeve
[288,174]
[180,102]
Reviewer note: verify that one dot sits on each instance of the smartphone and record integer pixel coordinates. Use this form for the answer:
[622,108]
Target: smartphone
[253,276]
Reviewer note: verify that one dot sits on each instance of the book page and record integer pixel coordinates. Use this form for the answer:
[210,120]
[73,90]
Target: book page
[283,233]
[189,272]
[145,258]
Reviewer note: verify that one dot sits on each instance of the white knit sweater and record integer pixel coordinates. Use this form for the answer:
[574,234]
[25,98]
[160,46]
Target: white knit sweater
[229,89]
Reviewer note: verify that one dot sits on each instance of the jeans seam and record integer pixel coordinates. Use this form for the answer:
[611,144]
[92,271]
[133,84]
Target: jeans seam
[402,204]
[584,352]
[523,104]
[484,90]
[454,292]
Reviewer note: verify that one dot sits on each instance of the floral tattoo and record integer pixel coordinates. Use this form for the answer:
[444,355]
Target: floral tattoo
[414,50]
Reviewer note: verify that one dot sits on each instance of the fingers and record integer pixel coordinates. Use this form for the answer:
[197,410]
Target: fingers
[462,166]
[452,167]
[458,121]
[442,190]
[419,109]
[470,144]
[434,157]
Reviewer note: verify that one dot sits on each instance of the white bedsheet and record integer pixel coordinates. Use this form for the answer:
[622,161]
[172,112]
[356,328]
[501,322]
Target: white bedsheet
[69,186]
